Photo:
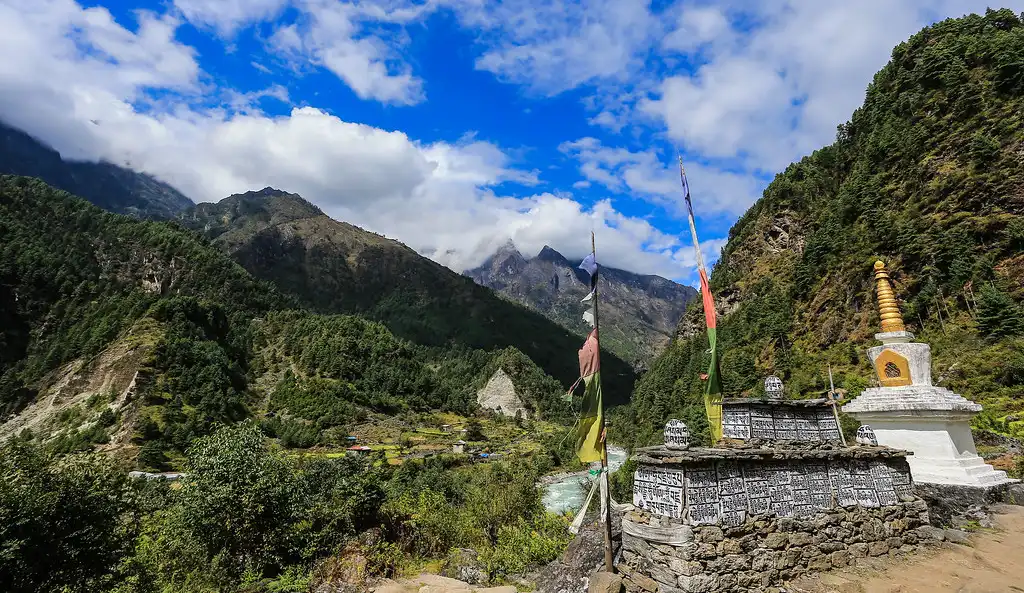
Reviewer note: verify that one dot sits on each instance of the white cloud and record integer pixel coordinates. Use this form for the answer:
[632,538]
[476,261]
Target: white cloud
[745,88]
[647,175]
[334,35]
[553,46]
[777,91]
[439,198]
[697,26]
[228,16]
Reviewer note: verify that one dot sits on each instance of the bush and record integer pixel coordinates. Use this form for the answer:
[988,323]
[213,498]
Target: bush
[65,523]
[527,543]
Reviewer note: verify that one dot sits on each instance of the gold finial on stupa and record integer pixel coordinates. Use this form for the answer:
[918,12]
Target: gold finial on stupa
[888,309]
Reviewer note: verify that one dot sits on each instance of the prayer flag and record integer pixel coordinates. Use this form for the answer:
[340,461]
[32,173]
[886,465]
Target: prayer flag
[589,438]
[713,380]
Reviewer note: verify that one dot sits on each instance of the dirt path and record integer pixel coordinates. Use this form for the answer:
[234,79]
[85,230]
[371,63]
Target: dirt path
[432,583]
[994,563]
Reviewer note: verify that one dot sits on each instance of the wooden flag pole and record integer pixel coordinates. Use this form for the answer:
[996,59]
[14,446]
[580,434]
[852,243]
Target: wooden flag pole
[605,487]
[835,411]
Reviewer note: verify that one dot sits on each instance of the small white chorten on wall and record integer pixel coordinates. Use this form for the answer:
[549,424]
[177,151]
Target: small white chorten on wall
[908,412]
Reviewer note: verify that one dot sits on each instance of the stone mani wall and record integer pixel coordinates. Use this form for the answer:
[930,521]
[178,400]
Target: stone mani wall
[659,556]
[728,492]
[745,421]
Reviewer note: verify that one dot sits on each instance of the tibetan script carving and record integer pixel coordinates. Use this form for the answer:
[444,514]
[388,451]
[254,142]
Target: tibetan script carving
[730,492]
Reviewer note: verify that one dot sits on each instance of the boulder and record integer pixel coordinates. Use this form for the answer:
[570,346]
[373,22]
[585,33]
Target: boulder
[957,537]
[604,582]
[464,564]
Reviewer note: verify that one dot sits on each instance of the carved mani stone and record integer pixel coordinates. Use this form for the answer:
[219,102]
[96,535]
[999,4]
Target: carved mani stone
[866,436]
[773,387]
[892,368]
[677,435]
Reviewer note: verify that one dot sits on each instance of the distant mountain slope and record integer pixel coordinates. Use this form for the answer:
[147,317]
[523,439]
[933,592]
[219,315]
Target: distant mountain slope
[123,333]
[334,267]
[107,185]
[928,175]
[639,313]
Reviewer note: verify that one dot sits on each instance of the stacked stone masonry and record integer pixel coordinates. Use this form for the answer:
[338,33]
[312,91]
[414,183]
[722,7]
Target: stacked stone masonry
[751,516]
[764,551]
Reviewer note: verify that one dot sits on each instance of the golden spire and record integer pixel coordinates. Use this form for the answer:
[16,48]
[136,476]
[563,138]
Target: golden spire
[889,311]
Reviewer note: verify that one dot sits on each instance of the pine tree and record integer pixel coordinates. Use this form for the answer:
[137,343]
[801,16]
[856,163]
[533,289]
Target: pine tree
[998,314]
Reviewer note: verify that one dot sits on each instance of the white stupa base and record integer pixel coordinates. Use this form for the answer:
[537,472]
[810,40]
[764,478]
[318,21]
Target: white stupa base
[932,422]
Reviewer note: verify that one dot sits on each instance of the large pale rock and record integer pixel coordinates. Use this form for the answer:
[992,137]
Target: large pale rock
[604,582]
[500,395]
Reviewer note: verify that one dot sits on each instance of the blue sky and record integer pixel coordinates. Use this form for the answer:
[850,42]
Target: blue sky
[455,125]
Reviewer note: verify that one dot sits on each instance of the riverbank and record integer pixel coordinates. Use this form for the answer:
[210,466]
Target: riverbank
[562,491]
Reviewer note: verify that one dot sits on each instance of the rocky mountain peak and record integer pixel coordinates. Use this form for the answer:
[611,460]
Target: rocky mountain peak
[549,254]
[640,311]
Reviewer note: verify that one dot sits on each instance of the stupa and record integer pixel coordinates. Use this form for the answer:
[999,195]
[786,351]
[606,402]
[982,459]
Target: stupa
[907,412]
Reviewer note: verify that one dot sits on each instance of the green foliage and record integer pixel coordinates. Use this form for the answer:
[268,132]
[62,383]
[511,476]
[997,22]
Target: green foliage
[620,482]
[927,176]
[526,543]
[246,512]
[248,517]
[208,329]
[474,430]
[495,509]
[65,523]
[238,501]
[998,315]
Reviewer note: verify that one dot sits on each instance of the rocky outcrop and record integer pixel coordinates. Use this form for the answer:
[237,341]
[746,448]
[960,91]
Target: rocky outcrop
[499,395]
[952,505]
[583,558]
[639,313]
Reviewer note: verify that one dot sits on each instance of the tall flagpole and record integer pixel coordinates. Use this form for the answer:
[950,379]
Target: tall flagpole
[832,400]
[713,387]
[606,507]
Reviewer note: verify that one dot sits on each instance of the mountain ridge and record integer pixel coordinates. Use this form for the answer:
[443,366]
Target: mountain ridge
[639,312]
[335,267]
[105,184]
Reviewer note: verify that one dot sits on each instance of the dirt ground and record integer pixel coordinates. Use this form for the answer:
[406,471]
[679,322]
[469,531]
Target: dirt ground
[993,563]
[432,583]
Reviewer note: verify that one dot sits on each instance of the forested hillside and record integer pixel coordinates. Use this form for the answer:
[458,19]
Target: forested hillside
[140,337]
[928,175]
[124,332]
[334,267]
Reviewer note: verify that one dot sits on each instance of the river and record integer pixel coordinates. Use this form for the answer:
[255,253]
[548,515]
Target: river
[562,492]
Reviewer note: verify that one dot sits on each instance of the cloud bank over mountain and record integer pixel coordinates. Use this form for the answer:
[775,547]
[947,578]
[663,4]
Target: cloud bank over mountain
[350,105]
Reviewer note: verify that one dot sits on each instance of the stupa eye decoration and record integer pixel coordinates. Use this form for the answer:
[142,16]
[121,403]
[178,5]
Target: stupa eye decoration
[892,368]
[773,387]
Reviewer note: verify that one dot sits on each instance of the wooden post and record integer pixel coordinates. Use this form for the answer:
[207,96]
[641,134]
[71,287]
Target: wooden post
[938,311]
[835,411]
[606,505]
